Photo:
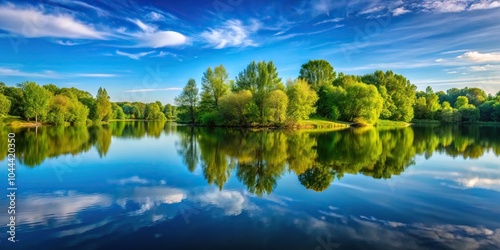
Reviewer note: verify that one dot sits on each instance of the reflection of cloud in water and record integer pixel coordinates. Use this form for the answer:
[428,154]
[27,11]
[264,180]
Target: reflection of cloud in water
[131,180]
[477,182]
[232,202]
[61,206]
[415,234]
[150,197]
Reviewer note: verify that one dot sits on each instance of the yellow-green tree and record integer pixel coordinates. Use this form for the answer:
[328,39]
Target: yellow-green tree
[302,99]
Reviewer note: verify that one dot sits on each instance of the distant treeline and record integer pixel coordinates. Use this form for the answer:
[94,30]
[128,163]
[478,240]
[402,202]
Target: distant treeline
[59,106]
[258,97]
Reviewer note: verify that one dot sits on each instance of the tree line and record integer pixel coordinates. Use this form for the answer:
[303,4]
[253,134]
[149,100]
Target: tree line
[60,106]
[259,97]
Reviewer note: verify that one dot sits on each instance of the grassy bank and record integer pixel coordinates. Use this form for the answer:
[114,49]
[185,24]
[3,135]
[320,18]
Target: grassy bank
[387,123]
[16,121]
[321,123]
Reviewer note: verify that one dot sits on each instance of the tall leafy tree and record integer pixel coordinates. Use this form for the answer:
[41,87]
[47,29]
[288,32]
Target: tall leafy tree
[261,79]
[4,105]
[36,100]
[103,105]
[214,85]
[318,73]
[235,107]
[187,101]
[275,106]
[398,93]
[302,99]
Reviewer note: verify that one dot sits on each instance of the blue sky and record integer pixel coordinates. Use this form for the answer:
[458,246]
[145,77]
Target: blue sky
[147,50]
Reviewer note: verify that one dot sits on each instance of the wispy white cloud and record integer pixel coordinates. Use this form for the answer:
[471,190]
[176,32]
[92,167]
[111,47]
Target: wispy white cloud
[135,56]
[153,38]
[96,75]
[485,4]
[400,11]
[372,10]
[444,6]
[16,72]
[233,33]
[67,43]
[145,27]
[164,54]
[155,16]
[487,67]
[291,35]
[32,22]
[160,39]
[480,57]
[322,7]
[152,90]
[333,20]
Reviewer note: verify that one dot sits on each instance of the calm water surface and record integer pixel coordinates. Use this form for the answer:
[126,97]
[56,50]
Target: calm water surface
[140,185]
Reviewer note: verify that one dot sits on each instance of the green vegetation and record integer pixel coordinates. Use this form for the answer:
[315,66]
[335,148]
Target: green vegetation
[467,105]
[260,158]
[70,106]
[257,97]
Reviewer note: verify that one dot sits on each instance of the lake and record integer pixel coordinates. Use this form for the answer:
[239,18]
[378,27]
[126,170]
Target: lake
[140,185]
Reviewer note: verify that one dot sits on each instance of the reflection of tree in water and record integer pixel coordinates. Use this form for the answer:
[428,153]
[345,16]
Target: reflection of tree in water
[188,146]
[317,178]
[318,157]
[261,157]
[101,138]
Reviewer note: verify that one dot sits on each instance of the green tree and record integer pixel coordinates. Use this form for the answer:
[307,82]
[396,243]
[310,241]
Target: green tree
[168,110]
[36,100]
[4,105]
[398,93]
[362,103]
[261,79]
[153,112]
[318,73]
[214,85]
[275,106]
[103,105]
[117,112]
[52,88]
[187,101]
[235,107]
[469,113]
[462,101]
[302,99]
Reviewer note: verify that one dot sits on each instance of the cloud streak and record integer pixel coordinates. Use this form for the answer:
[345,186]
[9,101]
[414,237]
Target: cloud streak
[233,33]
[32,22]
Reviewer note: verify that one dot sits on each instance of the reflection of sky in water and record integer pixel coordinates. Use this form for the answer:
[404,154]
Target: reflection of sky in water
[142,194]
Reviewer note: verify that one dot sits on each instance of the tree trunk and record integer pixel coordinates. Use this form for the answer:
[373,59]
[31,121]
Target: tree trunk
[36,119]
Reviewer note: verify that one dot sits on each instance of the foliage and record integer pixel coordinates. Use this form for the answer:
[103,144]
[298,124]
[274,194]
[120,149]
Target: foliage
[398,93]
[317,73]
[301,100]
[102,106]
[260,79]
[187,102]
[214,85]
[236,108]
[4,105]
[275,106]
[36,100]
